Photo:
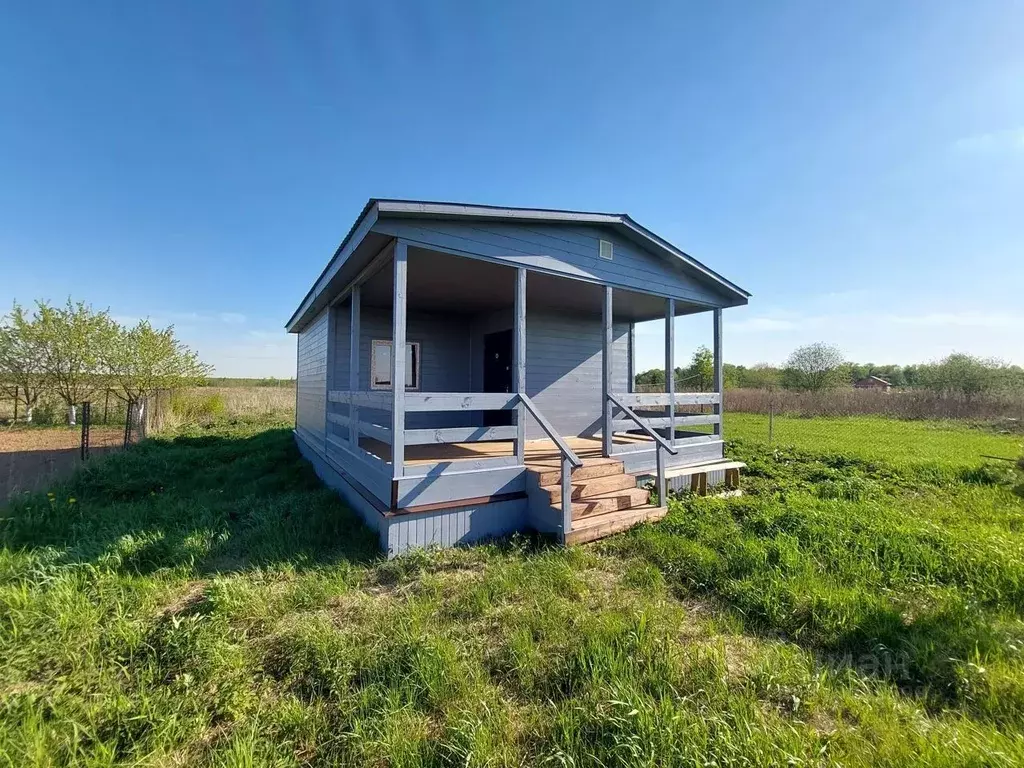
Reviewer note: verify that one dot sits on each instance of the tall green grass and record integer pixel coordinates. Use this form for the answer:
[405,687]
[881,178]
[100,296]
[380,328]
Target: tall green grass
[203,601]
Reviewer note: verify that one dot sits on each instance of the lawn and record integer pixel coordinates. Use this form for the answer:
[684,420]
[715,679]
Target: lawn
[878,439]
[203,601]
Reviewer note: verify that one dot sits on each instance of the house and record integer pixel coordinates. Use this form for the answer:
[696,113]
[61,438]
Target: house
[872,382]
[511,404]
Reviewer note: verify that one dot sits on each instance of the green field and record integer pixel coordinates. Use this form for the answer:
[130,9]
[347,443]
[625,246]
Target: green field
[878,439]
[203,601]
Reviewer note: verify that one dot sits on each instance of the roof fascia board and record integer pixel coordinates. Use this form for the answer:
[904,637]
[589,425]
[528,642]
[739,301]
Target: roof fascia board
[352,240]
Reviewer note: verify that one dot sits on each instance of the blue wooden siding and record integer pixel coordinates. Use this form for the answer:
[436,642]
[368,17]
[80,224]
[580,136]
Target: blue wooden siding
[463,525]
[311,378]
[561,249]
[444,357]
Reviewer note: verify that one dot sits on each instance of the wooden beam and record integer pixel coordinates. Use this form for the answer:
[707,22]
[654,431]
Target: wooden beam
[519,361]
[670,366]
[663,422]
[380,401]
[606,373]
[719,373]
[459,435]
[353,360]
[398,315]
[460,401]
[659,399]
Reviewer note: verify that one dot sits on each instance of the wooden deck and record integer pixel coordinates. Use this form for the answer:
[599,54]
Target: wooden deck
[540,454]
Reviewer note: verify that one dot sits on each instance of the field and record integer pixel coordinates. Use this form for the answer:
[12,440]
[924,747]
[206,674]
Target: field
[201,600]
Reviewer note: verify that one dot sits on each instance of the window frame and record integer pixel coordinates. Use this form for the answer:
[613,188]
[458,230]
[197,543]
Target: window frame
[416,365]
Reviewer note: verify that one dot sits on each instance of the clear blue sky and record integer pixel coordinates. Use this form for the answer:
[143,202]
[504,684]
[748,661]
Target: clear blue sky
[859,167]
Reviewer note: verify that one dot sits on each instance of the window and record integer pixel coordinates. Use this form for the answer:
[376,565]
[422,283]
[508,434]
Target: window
[607,251]
[380,364]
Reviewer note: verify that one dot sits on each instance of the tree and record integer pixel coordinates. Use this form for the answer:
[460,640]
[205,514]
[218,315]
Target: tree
[702,369]
[964,375]
[22,370]
[652,380]
[74,338]
[813,368]
[144,359]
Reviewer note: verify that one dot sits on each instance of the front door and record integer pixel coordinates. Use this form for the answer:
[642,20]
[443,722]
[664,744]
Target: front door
[498,373]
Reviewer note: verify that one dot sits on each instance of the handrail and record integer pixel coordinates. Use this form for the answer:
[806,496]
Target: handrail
[643,425]
[552,433]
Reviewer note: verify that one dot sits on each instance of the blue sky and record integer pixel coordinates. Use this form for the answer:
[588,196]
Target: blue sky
[859,167]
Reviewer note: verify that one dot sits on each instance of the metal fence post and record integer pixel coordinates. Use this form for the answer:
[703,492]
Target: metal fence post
[86,415]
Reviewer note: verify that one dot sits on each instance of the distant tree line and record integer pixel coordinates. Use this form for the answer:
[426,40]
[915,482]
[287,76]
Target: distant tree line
[821,367]
[72,352]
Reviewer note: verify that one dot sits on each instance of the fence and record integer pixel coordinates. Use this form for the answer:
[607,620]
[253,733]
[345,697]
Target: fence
[136,427]
[899,404]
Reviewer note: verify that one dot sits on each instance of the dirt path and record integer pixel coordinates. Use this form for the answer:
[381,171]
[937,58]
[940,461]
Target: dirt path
[34,459]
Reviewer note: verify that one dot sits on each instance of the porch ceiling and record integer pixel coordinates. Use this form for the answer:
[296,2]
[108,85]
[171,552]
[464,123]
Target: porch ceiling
[439,282]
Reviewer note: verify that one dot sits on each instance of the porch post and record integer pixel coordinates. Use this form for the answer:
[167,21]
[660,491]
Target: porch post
[519,358]
[717,409]
[353,364]
[398,359]
[670,366]
[606,373]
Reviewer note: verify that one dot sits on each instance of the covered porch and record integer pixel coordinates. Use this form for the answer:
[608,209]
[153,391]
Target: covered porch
[506,369]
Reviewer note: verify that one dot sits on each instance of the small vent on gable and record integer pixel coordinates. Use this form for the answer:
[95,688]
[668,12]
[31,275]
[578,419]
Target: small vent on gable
[606,250]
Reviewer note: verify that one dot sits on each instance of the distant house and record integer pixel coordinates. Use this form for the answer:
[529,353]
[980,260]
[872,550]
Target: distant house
[873,382]
[510,404]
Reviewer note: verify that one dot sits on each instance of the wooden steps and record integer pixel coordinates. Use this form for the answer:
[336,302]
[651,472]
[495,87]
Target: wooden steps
[591,468]
[599,526]
[605,500]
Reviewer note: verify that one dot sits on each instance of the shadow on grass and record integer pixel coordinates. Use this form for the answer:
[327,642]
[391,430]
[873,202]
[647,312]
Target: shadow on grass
[211,503]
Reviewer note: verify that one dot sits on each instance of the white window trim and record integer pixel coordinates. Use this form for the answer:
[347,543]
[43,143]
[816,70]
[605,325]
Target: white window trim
[417,365]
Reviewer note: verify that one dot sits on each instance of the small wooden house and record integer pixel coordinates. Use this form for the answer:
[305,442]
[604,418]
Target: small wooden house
[872,382]
[511,405]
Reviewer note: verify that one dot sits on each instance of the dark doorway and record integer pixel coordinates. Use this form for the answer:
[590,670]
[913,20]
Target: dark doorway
[498,373]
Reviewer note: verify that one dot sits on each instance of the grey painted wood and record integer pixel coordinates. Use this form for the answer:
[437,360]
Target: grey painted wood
[566,496]
[659,458]
[567,250]
[401,266]
[460,401]
[551,431]
[606,372]
[642,424]
[427,469]
[355,236]
[645,461]
[454,527]
[444,483]
[618,222]
[670,365]
[311,377]
[666,422]
[376,400]
[355,314]
[374,479]
[519,361]
[719,369]
[631,364]
[459,435]
[652,399]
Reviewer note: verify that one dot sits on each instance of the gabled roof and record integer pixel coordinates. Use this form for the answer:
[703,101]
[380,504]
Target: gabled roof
[879,379]
[378,208]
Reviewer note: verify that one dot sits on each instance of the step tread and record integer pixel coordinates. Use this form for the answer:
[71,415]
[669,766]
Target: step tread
[600,526]
[611,501]
[586,472]
[591,486]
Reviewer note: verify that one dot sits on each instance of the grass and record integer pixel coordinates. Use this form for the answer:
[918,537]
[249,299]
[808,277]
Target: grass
[202,600]
[875,438]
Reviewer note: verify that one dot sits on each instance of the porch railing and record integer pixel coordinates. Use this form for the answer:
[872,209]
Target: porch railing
[661,443]
[436,402]
[672,420]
